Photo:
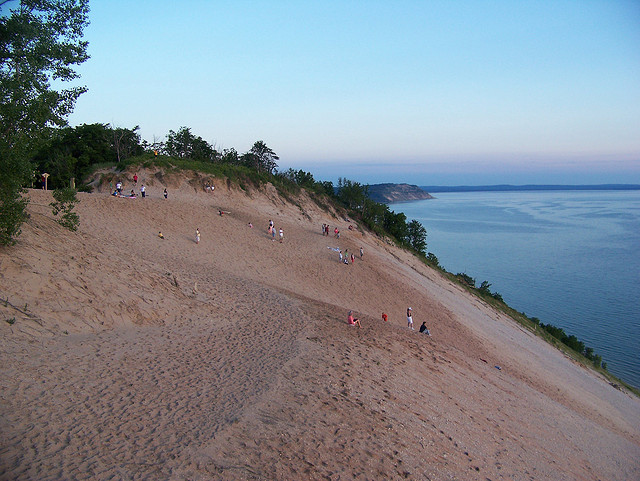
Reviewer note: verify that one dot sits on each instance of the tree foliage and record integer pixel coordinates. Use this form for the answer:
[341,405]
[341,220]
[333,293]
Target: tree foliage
[40,41]
[12,204]
[185,145]
[260,158]
[417,236]
[65,201]
[70,152]
[126,142]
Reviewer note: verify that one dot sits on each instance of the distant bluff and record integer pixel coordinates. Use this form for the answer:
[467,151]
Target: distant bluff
[389,193]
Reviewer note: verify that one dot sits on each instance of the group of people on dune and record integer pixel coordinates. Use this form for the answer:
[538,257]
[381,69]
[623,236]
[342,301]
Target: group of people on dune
[423,328]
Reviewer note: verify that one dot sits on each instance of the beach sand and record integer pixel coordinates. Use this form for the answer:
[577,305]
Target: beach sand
[134,357]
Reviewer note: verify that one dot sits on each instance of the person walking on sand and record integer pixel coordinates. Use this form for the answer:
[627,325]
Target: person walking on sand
[361,253]
[197,236]
[353,258]
[281,234]
[166,194]
[340,257]
[135,179]
[410,319]
[143,191]
[273,233]
[352,321]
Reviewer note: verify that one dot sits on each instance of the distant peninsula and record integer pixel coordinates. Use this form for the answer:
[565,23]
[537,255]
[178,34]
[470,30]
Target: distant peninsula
[530,187]
[389,193]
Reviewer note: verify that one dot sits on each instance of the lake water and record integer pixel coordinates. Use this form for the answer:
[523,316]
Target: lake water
[569,258]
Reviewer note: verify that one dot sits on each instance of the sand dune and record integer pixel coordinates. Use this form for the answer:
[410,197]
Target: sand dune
[135,357]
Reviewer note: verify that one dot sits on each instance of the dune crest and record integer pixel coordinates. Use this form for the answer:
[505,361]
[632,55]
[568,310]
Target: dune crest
[135,357]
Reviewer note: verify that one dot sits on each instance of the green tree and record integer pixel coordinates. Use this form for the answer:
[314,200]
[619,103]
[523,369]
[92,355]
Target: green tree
[13,205]
[71,152]
[40,40]
[597,360]
[396,225]
[230,156]
[185,145]
[431,257]
[299,177]
[65,201]
[325,187]
[417,236]
[466,279]
[126,142]
[352,194]
[261,158]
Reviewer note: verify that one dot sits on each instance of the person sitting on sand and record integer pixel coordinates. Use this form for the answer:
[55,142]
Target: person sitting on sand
[424,329]
[384,317]
[160,235]
[352,321]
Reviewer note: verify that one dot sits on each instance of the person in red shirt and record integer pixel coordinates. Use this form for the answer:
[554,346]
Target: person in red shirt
[352,321]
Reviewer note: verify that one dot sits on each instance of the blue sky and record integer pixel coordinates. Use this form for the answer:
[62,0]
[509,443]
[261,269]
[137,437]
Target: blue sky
[442,92]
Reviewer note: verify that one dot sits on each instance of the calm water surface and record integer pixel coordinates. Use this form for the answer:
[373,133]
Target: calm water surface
[572,259]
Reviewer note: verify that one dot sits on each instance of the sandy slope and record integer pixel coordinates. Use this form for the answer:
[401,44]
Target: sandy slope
[133,357]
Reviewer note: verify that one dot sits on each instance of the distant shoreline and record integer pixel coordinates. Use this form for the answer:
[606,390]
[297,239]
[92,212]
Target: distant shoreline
[529,187]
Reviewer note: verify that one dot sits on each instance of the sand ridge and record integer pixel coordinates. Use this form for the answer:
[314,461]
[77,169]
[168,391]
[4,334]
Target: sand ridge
[133,357]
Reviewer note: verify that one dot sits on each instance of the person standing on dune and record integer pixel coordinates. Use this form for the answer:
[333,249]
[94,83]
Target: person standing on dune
[410,318]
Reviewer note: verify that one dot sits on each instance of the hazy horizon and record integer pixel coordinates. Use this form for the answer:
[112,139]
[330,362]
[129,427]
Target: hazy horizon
[419,92]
